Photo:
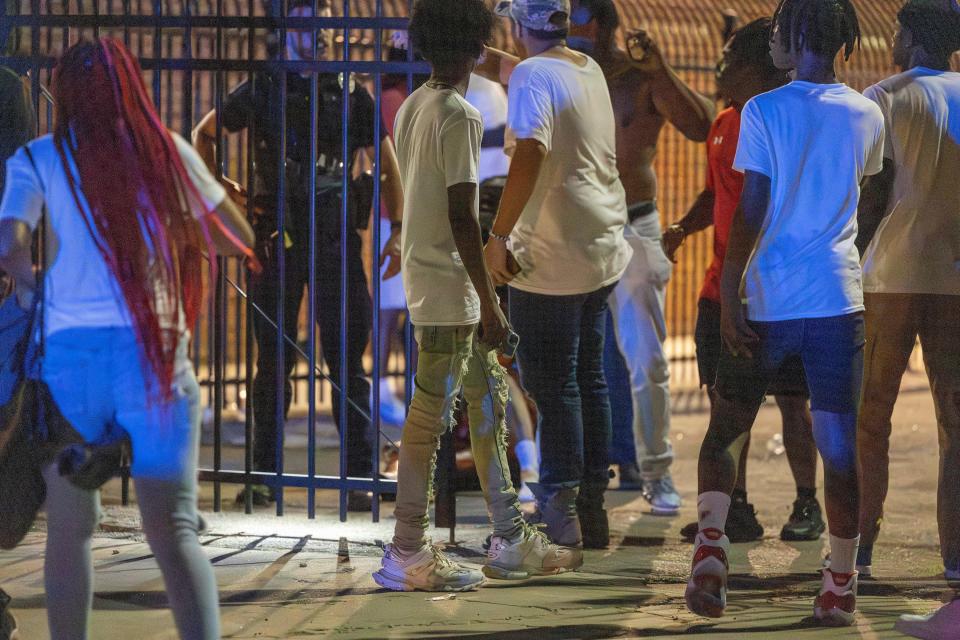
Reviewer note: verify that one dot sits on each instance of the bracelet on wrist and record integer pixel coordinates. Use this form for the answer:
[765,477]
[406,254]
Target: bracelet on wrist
[499,237]
[679,227]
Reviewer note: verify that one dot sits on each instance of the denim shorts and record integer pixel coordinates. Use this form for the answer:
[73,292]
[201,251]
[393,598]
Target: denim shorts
[831,350]
[789,380]
[96,377]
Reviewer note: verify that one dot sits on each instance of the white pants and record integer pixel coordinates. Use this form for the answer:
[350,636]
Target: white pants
[637,304]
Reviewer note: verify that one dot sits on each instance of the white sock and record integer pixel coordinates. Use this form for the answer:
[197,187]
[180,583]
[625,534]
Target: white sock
[843,554]
[526,451]
[712,508]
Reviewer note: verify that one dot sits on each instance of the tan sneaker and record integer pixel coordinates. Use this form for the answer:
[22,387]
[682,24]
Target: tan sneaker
[529,554]
[427,570]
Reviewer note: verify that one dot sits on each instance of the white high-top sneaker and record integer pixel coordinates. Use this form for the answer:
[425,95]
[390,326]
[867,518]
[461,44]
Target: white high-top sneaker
[836,605]
[706,593]
[942,624]
[529,554]
[427,570]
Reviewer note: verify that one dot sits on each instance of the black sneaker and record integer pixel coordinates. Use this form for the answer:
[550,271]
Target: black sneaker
[630,479]
[741,526]
[8,624]
[806,521]
[261,494]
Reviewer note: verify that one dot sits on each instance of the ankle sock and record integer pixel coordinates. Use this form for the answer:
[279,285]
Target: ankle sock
[739,496]
[526,451]
[843,554]
[807,493]
[712,508]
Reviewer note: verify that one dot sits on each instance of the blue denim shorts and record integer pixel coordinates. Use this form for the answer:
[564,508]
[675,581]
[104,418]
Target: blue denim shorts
[831,350]
[96,377]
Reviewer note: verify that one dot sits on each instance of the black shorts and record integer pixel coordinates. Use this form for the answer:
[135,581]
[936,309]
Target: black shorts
[831,350]
[789,380]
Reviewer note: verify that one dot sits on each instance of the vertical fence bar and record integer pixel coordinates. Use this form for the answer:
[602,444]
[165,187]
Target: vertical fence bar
[375,271]
[281,249]
[312,286]
[344,272]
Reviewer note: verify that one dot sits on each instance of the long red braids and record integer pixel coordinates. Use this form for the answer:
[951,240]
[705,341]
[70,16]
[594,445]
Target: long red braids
[132,187]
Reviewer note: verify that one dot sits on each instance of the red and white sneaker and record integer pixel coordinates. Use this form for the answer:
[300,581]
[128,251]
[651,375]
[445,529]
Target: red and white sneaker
[836,606]
[707,590]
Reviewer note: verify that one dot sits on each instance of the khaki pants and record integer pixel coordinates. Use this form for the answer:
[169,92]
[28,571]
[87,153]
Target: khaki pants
[451,359]
[893,322]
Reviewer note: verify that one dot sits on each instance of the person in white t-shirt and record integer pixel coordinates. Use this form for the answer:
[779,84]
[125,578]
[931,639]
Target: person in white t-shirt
[912,209]
[791,286]
[456,314]
[128,206]
[564,211]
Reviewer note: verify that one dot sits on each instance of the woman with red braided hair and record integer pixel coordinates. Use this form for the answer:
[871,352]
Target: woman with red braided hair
[131,209]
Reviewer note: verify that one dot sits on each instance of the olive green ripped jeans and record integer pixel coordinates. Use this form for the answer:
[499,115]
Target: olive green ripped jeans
[452,359]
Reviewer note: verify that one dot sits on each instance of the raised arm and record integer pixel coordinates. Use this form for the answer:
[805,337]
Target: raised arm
[687,110]
[204,138]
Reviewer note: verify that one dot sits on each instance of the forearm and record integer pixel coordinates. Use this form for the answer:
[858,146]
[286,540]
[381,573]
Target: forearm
[497,66]
[700,215]
[687,110]
[469,242]
[392,192]
[739,247]
[874,202]
[15,255]
[205,141]
[521,181]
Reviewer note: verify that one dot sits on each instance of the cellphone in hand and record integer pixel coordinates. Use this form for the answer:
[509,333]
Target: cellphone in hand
[509,347]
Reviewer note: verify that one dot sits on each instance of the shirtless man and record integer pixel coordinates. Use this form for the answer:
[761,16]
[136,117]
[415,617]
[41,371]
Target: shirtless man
[646,93]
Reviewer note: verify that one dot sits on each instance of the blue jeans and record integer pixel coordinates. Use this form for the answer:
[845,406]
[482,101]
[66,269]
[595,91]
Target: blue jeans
[623,446]
[98,382]
[561,366]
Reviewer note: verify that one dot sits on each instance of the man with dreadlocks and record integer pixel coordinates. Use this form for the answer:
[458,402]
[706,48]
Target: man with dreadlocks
[130,208]
[791,286]
[912,208]
[256,104]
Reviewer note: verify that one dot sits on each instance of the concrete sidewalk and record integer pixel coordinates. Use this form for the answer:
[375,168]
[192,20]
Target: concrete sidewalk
[294,578]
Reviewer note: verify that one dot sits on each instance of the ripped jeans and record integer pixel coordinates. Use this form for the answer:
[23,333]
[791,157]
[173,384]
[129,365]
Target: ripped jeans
[451,359]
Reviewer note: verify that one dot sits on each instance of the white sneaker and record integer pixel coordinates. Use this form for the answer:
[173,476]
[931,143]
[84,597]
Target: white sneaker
[530,554]
[427,570]
[942,624]
[836,605]
[706,593]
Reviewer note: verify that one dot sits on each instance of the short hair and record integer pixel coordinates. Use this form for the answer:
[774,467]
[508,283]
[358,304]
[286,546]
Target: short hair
[447,33]
[822,26]
[604,12]
[558,19]
[933,26]
[751,44]
[297,4]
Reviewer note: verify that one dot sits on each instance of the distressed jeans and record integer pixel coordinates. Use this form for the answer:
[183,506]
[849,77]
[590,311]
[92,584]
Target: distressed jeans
[637,305]
[893,323]
[452,359]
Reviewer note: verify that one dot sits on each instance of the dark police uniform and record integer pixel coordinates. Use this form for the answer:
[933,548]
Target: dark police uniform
[255,103]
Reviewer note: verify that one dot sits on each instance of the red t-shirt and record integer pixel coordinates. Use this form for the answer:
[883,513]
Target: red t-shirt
[726,184]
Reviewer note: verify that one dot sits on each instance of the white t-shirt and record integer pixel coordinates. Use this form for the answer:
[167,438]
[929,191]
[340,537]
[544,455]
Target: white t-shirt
[79,288]
[816,142]
[917,247]
[569,238]
[438,137]
[490,99]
